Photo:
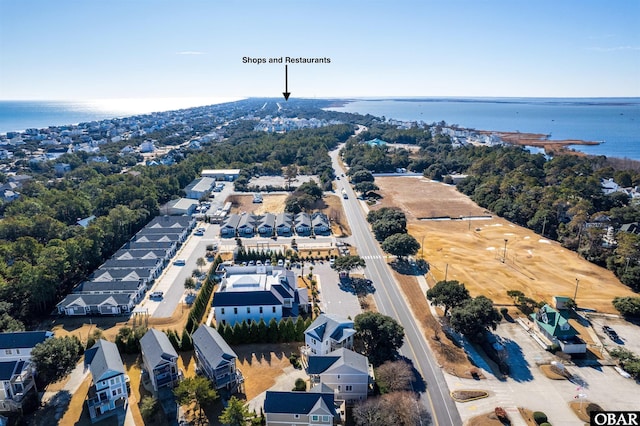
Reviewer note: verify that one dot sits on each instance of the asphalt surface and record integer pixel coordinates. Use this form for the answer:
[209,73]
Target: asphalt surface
[391,302]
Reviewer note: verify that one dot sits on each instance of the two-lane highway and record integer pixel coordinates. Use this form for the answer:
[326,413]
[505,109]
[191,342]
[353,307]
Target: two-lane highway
[391,302]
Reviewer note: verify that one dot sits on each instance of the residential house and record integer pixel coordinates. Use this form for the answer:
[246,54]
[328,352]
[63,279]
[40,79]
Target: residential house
[147,146]
[327,333]
[302,223]
[376,142]
[172,222]
[135,288]
[86,221]
[266,225]
[156,234]
[215,359]
[631,228]
[108,394]
[284,224]
[155,266]
[316,407]
[61,168]
[254,293]
[246,225]
[160,360]
[320,224]
[17,373]
[123,274]
[346,372]
[554,325]
[221,174]
[230,226]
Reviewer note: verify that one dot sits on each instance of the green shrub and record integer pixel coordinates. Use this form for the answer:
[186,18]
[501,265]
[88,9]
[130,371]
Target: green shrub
[539,417]
[545,424]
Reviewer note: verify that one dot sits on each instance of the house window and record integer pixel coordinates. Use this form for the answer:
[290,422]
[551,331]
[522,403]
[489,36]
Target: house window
[7,351]
[235,311]
[248,309]
[348,388]
[114,393]
[325,419]
[221,311]
[273,309]
[260,309]
[315,418]
[296,416]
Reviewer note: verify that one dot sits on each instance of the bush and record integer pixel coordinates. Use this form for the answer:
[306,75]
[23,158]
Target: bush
[504,312]
[539,417]
[300,385]
[546,424]
[294,359]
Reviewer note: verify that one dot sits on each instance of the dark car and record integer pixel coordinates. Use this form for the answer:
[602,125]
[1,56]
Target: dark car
[610,332]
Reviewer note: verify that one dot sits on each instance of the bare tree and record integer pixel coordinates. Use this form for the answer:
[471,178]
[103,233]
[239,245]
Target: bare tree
[393,376]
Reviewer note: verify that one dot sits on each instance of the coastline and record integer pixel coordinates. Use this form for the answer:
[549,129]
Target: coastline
[538,140]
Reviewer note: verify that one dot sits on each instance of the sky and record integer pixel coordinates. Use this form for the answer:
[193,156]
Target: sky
[85,50]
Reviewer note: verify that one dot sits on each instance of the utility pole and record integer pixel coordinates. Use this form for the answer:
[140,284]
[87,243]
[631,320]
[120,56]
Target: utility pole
[446,271]
[575,294]
[504,253]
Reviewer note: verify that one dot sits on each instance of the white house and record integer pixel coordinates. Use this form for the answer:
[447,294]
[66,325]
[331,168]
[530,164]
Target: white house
[327,333]
[254,293]
[108,392]
[17,373]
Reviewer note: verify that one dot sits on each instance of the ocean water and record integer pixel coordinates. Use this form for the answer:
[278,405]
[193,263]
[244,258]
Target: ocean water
[613,121]
[21,115]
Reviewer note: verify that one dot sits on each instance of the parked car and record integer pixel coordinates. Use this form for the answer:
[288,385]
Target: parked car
[156,295]
[610,332]
[179,262]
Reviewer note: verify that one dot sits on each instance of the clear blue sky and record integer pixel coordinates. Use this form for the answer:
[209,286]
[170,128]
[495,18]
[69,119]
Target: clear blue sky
[88,49]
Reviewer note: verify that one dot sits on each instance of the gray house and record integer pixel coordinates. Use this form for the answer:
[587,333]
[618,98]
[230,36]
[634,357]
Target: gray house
[230,226]
[215,359]
[160,360]
[302,224]
[284,224]
[320,224]
[108,393]
[316,407]
[246,225]
[266,225]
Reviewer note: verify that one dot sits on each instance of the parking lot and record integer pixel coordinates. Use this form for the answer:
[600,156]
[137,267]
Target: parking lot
[528,387]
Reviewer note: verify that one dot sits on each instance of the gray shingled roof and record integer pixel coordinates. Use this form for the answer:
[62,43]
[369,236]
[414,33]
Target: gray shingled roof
[341,359]
[104,360]
[157,347]
[331,325]
[212,346]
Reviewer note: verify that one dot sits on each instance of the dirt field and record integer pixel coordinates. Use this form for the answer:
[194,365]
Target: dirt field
[473,251]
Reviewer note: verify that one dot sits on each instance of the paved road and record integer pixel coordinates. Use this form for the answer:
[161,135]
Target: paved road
[391,302]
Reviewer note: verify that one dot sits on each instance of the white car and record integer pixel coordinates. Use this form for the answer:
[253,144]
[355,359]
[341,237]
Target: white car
[179,262]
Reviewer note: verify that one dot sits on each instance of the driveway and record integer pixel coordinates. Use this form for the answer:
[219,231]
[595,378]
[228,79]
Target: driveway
[334,300]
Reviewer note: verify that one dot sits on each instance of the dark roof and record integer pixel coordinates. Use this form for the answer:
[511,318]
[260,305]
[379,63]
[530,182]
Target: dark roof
[299,403]
[212,346]
[170,221]
[23,339]
[319,364]
[131,263]
[140,254]
[9,369]
[109,274]
[108,286]
[245,298]
[152,245]
[120,299]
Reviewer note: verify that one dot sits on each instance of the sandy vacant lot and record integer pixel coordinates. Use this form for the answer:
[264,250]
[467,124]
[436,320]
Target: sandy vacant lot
[472,251]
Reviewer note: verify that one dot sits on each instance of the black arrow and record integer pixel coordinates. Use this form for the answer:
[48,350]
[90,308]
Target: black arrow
[286,83]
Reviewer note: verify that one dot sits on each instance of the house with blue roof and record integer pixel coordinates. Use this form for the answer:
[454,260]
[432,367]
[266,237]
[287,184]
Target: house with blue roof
[316,407]
[17,373]
[348,373]
[327,333]
[376,142]
[254,293]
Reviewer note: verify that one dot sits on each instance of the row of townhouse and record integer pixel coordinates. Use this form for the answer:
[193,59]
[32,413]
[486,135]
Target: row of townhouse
[269,224]
[121,282]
